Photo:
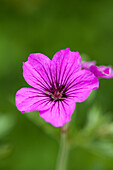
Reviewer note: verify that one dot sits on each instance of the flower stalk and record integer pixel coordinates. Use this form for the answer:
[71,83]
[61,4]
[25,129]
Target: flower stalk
[62,159]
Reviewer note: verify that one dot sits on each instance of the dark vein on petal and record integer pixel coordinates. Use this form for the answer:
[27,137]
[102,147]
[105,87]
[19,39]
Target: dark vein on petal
[63,107]
[44,102]
[52,106]
[64,72]
[59,109]
[61,63]
[42,77]
[42,85]
[68,73]
[66,80]
[44,70]
[70,83]
[47,75]
[76,90]
[51,75]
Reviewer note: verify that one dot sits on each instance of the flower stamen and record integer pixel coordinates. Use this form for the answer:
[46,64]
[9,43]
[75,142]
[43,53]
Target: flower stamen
[56,95]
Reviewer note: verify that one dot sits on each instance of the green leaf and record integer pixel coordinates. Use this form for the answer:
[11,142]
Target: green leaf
[7,122]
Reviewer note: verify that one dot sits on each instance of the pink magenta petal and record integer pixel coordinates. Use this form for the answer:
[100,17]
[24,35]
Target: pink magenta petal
[29,99]
[102,71]
[80,85]
[38,60]
[36,78]
[99,71]
[106,72]
[86,64]
[65,62]
[59,114]
[42,65]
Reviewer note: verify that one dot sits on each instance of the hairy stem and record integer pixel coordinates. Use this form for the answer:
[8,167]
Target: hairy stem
[63,150]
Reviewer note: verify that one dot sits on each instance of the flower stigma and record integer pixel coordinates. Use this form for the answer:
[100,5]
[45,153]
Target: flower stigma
[56,92]
[56,95]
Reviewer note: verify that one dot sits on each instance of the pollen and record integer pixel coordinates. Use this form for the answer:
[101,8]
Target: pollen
[56,95]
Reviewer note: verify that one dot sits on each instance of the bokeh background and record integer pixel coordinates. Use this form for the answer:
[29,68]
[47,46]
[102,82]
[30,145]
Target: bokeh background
[46,26]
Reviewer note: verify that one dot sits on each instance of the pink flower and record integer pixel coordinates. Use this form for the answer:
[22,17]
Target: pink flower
[58,84]
[87,65]
[99,71]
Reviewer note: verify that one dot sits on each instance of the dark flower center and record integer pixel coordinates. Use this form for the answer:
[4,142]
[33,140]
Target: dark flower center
[56,93]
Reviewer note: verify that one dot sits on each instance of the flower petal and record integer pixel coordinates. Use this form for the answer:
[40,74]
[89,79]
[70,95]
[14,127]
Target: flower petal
[86,64]
[29,99]
[38,60]
[65,63]
[80,85]
[99,71]
[37,78]
[102,71]
[59,114]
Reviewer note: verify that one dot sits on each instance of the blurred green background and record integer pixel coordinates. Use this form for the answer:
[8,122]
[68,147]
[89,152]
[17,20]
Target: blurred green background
[46,26]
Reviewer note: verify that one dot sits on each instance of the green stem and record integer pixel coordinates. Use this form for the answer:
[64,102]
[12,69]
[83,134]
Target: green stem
[63,150]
